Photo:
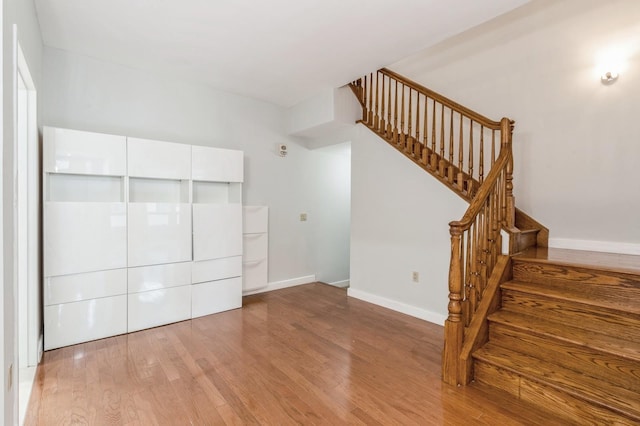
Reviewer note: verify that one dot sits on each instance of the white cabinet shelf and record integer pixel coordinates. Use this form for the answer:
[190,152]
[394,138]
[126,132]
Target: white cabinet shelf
[255,268]
[76,152]
[155,159]
[217,165]
[137,234]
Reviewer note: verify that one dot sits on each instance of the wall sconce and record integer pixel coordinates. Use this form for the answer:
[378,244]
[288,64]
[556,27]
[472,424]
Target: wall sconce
[609,77]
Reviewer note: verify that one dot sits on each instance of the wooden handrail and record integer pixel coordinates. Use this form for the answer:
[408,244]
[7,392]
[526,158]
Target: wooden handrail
[435,131]
[487,122]
[482,194]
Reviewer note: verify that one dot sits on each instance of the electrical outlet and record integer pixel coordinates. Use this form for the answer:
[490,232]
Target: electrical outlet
[415,276]
[303,217]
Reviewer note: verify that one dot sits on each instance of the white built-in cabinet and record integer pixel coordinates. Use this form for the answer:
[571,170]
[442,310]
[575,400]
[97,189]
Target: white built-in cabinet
[217,230]
[256,247]
[137,233]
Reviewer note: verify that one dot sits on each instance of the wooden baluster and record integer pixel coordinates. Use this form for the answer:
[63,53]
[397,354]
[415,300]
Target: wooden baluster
[425,143]
[417,143]
[442,164]
[376,118]
[460,176]
[370,115]
[506,129]
[364,100]
[469,303]
[453,326]
[450,171]
[495,225]
[402,139]
[434,156]
[493,147]
[470,189]
[395,115]
[389,130]
[481,166]
[408,148]
[482,246]
[383,127]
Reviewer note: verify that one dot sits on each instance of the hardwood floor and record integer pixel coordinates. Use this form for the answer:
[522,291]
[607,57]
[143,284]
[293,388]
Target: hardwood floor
[303,355]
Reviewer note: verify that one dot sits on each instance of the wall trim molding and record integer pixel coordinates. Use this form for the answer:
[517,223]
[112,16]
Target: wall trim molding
[341,284]
[590,245]
[278,285]
[394,305]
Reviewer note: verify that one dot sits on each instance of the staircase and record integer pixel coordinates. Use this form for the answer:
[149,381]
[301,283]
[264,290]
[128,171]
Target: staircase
[567,337]
[557,328]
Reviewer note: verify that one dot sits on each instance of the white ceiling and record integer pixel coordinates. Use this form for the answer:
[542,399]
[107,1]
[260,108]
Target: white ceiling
[282,51]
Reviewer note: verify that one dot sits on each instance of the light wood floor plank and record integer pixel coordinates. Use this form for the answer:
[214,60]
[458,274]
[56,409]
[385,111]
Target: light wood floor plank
[304,355]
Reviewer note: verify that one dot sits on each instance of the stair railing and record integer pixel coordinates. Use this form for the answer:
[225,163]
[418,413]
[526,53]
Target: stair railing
[454,143]
[476,243]
[459,147]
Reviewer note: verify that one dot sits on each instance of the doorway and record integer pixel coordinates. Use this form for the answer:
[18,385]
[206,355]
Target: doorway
[27,228]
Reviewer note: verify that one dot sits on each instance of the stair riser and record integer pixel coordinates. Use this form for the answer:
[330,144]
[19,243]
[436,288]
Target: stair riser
[570,410]
[549,274]
[614,369]
[615,323]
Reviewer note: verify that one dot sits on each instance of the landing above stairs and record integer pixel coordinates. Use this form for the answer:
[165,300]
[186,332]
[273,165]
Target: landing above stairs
[623,263]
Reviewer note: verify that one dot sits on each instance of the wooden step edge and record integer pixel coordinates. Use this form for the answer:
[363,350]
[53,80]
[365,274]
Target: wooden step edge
[583,387]
[570,296]
[599,261]
[583,337]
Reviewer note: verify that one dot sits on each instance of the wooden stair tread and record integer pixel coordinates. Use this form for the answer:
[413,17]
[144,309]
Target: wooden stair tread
[595,391]
[622,263]
[575,294]
[576,335]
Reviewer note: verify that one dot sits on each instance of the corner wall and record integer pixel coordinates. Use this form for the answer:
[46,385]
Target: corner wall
[576,140]
[400,218]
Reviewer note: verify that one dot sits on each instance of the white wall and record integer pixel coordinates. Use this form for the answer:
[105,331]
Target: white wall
[399,224]
[88,94]
[21,13]
[576,140]
[331,213]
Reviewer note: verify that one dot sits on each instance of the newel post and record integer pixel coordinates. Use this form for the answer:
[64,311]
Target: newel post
[506,130]
[453,326]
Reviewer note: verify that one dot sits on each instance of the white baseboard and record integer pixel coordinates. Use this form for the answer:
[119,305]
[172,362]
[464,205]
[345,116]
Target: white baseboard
[341,284]
[394,305]
[602,246]
[277,285]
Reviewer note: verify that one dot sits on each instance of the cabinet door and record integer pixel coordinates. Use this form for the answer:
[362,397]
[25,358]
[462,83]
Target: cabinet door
[254,275]
[216,296]
[77,322]
[217,231]
[159,233]
[90,285]
[76,152]
[84,237]
[217,165]
[162,160]
[156,277]
[216,269]
[158,307]
[255,219]
[255,247]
